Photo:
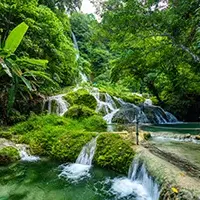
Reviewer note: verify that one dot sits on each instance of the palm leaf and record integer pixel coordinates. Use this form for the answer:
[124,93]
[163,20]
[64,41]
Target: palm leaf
[34,61]
[15,37]
[38,74]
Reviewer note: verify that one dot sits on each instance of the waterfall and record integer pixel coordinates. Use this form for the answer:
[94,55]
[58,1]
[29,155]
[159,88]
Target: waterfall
[138,185]
[114,109]
[171,118]
[75,46]
[105,105]
[61,104]
[87,153]
[139,174]
[27,157]
[83,76]
[80,170]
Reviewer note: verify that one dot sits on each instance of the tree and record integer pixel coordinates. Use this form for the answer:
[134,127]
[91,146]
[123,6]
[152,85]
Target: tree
[159,48]
[63,5]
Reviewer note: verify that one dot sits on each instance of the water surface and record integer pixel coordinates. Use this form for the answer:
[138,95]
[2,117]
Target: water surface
[41,181]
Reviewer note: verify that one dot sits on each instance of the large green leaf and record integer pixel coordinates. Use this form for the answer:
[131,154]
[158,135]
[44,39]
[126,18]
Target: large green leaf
[15,37]
[34,61]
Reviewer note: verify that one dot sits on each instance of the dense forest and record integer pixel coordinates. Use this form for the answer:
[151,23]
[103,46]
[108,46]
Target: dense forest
[139,47]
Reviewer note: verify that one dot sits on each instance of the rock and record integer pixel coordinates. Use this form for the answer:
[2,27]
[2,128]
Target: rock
[197,137]
[81,97]
[8,155]
[186,136]
[79,111]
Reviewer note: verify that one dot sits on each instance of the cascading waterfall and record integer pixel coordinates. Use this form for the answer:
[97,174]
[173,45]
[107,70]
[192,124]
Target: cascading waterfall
[25,156]
[83,76]
[79,170]
[115,109]
[75,46]
[105,105]
[139,184]
[138,173]
[61,104]
[171,117]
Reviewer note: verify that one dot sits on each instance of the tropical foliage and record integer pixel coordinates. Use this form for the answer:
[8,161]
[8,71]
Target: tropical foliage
[147,48]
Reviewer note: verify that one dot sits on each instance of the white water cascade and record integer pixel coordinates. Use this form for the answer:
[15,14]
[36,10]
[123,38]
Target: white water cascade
[115,109]
[105,105]
[25,156]
[61,104]
[80,170]
[83,76]
[138,184]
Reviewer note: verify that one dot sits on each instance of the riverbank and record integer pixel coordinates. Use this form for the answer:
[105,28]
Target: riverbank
[178,177]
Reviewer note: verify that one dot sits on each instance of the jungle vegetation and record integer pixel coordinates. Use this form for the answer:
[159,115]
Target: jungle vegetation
[136,47]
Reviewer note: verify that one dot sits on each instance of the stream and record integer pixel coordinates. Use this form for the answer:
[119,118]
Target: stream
[40,180]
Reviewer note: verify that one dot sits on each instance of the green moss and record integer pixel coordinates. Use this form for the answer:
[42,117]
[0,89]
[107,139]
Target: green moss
[78,111]
[123,93]
[8,155]
[81,97]
[132,98]
[68,147]
[5,134]
[95,123]
[42,132]
[114,153]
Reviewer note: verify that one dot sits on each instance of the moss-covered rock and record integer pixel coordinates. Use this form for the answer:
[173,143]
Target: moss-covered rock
[95,123]
[113,152]
[8,155]
[79,111]
[81,97]
[5,134]
[68,147]
[133,98]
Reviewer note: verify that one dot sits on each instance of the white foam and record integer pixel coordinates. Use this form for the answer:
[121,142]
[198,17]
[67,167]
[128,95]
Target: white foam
[124,187]
[28,158]
[75,171]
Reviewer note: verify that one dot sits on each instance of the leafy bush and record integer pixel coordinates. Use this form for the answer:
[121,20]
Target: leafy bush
[114,153]
[8,155]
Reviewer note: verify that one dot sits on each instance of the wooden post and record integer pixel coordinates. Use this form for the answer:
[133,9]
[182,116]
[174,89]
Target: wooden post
[136,130]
